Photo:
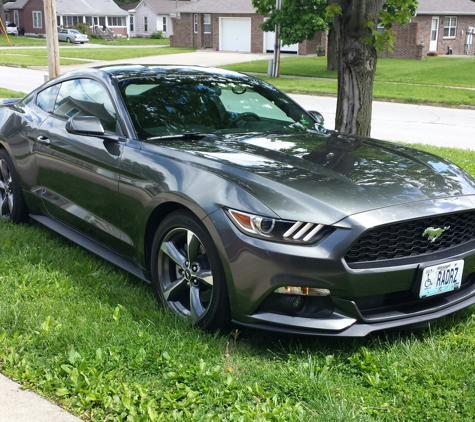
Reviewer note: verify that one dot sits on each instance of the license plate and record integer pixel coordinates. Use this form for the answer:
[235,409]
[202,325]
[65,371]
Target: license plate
[441,278]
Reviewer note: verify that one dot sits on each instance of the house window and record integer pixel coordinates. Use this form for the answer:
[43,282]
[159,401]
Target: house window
[7,16]
[131,20]
[71,21]
[145,24]
[164,24]
[116,21]
[207,23]
[195,23]
[16,19]
[37,23]
[450,26]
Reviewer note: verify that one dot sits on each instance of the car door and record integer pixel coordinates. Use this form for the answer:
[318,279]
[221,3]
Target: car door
[62,34]
[79,175]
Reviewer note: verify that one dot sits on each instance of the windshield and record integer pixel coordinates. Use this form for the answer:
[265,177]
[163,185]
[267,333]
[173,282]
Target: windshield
[174,106]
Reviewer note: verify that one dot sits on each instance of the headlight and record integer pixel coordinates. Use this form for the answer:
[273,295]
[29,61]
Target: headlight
[277,230]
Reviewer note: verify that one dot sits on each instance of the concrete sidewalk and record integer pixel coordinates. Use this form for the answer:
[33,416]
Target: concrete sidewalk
[17,405]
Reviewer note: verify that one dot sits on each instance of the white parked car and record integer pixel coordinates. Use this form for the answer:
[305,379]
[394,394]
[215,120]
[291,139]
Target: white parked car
[72,36]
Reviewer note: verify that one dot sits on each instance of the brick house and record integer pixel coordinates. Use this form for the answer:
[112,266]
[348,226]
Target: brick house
[440,26]
[228,25]
[30,14]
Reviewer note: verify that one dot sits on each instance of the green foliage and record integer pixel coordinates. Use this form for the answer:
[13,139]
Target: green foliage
[299,19]
[83,28]
[157,35]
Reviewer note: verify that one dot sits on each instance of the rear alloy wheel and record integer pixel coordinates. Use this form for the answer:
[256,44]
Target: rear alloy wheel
[187,274]
[12,204]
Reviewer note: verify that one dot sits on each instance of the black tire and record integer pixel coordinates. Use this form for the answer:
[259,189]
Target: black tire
[68,40]
[12,205]
[193,288]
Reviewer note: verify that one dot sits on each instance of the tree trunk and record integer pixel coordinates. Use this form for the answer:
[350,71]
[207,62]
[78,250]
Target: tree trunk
[332,50]
[2,12]
[357,65]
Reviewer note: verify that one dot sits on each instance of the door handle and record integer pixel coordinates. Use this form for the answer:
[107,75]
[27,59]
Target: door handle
[43,140]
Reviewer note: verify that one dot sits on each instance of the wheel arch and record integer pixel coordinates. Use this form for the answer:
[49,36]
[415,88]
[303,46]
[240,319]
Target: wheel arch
[156,217]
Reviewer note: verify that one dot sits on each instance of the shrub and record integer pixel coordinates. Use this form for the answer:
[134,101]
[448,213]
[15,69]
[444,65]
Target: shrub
[157,35]
[82,27]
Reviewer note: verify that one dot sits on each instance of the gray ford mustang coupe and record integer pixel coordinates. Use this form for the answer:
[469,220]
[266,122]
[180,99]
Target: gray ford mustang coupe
[237,204]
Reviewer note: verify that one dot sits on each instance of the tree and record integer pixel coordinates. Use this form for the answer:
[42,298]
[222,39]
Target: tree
[357,41]
[2,13]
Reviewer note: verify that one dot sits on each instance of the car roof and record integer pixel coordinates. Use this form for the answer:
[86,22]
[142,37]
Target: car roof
[125,71]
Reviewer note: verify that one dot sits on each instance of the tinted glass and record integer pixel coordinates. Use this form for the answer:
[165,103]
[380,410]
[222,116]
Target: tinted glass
[162,106]
[86,97]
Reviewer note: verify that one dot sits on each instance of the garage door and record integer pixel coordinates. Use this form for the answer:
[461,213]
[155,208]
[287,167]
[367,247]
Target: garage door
[269,39]
[235,34]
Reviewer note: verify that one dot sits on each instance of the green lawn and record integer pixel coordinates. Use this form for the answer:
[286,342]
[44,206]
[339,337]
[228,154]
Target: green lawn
[131,41]
[91,337]
[41,41]
[432,80]
[69,55]
[8,93]
[22,41]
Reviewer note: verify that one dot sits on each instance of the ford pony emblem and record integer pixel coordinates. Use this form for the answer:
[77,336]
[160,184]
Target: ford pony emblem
[433,234]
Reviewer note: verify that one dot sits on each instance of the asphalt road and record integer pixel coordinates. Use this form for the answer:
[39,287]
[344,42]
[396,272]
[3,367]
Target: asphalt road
[438,126]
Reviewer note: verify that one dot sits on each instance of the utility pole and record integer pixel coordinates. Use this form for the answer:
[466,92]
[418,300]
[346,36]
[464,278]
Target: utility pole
[52,38]
[276,69]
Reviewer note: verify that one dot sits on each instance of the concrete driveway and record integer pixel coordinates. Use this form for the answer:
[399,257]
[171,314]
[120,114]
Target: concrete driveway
[391,121]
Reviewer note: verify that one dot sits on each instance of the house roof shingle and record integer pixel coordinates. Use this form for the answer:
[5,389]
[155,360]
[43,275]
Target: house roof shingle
[77,7]
[221,6]
[89,8]
[165,6]
[130,6]
[446,7]
[18,4]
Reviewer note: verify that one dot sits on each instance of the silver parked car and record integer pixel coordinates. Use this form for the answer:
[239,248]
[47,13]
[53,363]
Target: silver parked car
[72,36]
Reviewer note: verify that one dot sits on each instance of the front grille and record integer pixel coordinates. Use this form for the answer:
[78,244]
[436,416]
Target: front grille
[405,239]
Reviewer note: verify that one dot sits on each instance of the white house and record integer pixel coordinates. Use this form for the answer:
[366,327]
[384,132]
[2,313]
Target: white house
[150,16]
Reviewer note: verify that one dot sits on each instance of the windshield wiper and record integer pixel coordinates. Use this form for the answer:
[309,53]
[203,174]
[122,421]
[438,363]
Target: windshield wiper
[185,135]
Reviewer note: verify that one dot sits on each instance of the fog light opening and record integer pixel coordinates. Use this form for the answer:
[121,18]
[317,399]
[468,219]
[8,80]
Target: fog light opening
[302,291]
[298,303]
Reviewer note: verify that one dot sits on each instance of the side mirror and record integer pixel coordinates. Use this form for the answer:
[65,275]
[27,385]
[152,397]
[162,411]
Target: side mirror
[85,125]
[317,116]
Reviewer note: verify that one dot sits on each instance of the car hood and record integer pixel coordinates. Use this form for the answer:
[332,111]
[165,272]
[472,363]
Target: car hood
[328,176]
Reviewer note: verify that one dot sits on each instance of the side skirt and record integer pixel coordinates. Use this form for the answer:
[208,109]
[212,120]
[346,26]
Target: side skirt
[92,246]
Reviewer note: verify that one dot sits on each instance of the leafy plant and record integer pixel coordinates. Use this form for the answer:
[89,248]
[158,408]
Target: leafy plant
[157,35]
[82,27]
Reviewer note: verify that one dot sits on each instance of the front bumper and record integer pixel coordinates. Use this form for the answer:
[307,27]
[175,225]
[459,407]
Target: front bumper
[363,300]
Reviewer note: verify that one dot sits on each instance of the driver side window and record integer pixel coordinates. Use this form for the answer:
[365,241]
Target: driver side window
[86,97]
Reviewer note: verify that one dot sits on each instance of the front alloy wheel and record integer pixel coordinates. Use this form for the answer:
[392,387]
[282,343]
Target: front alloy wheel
[187,273]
